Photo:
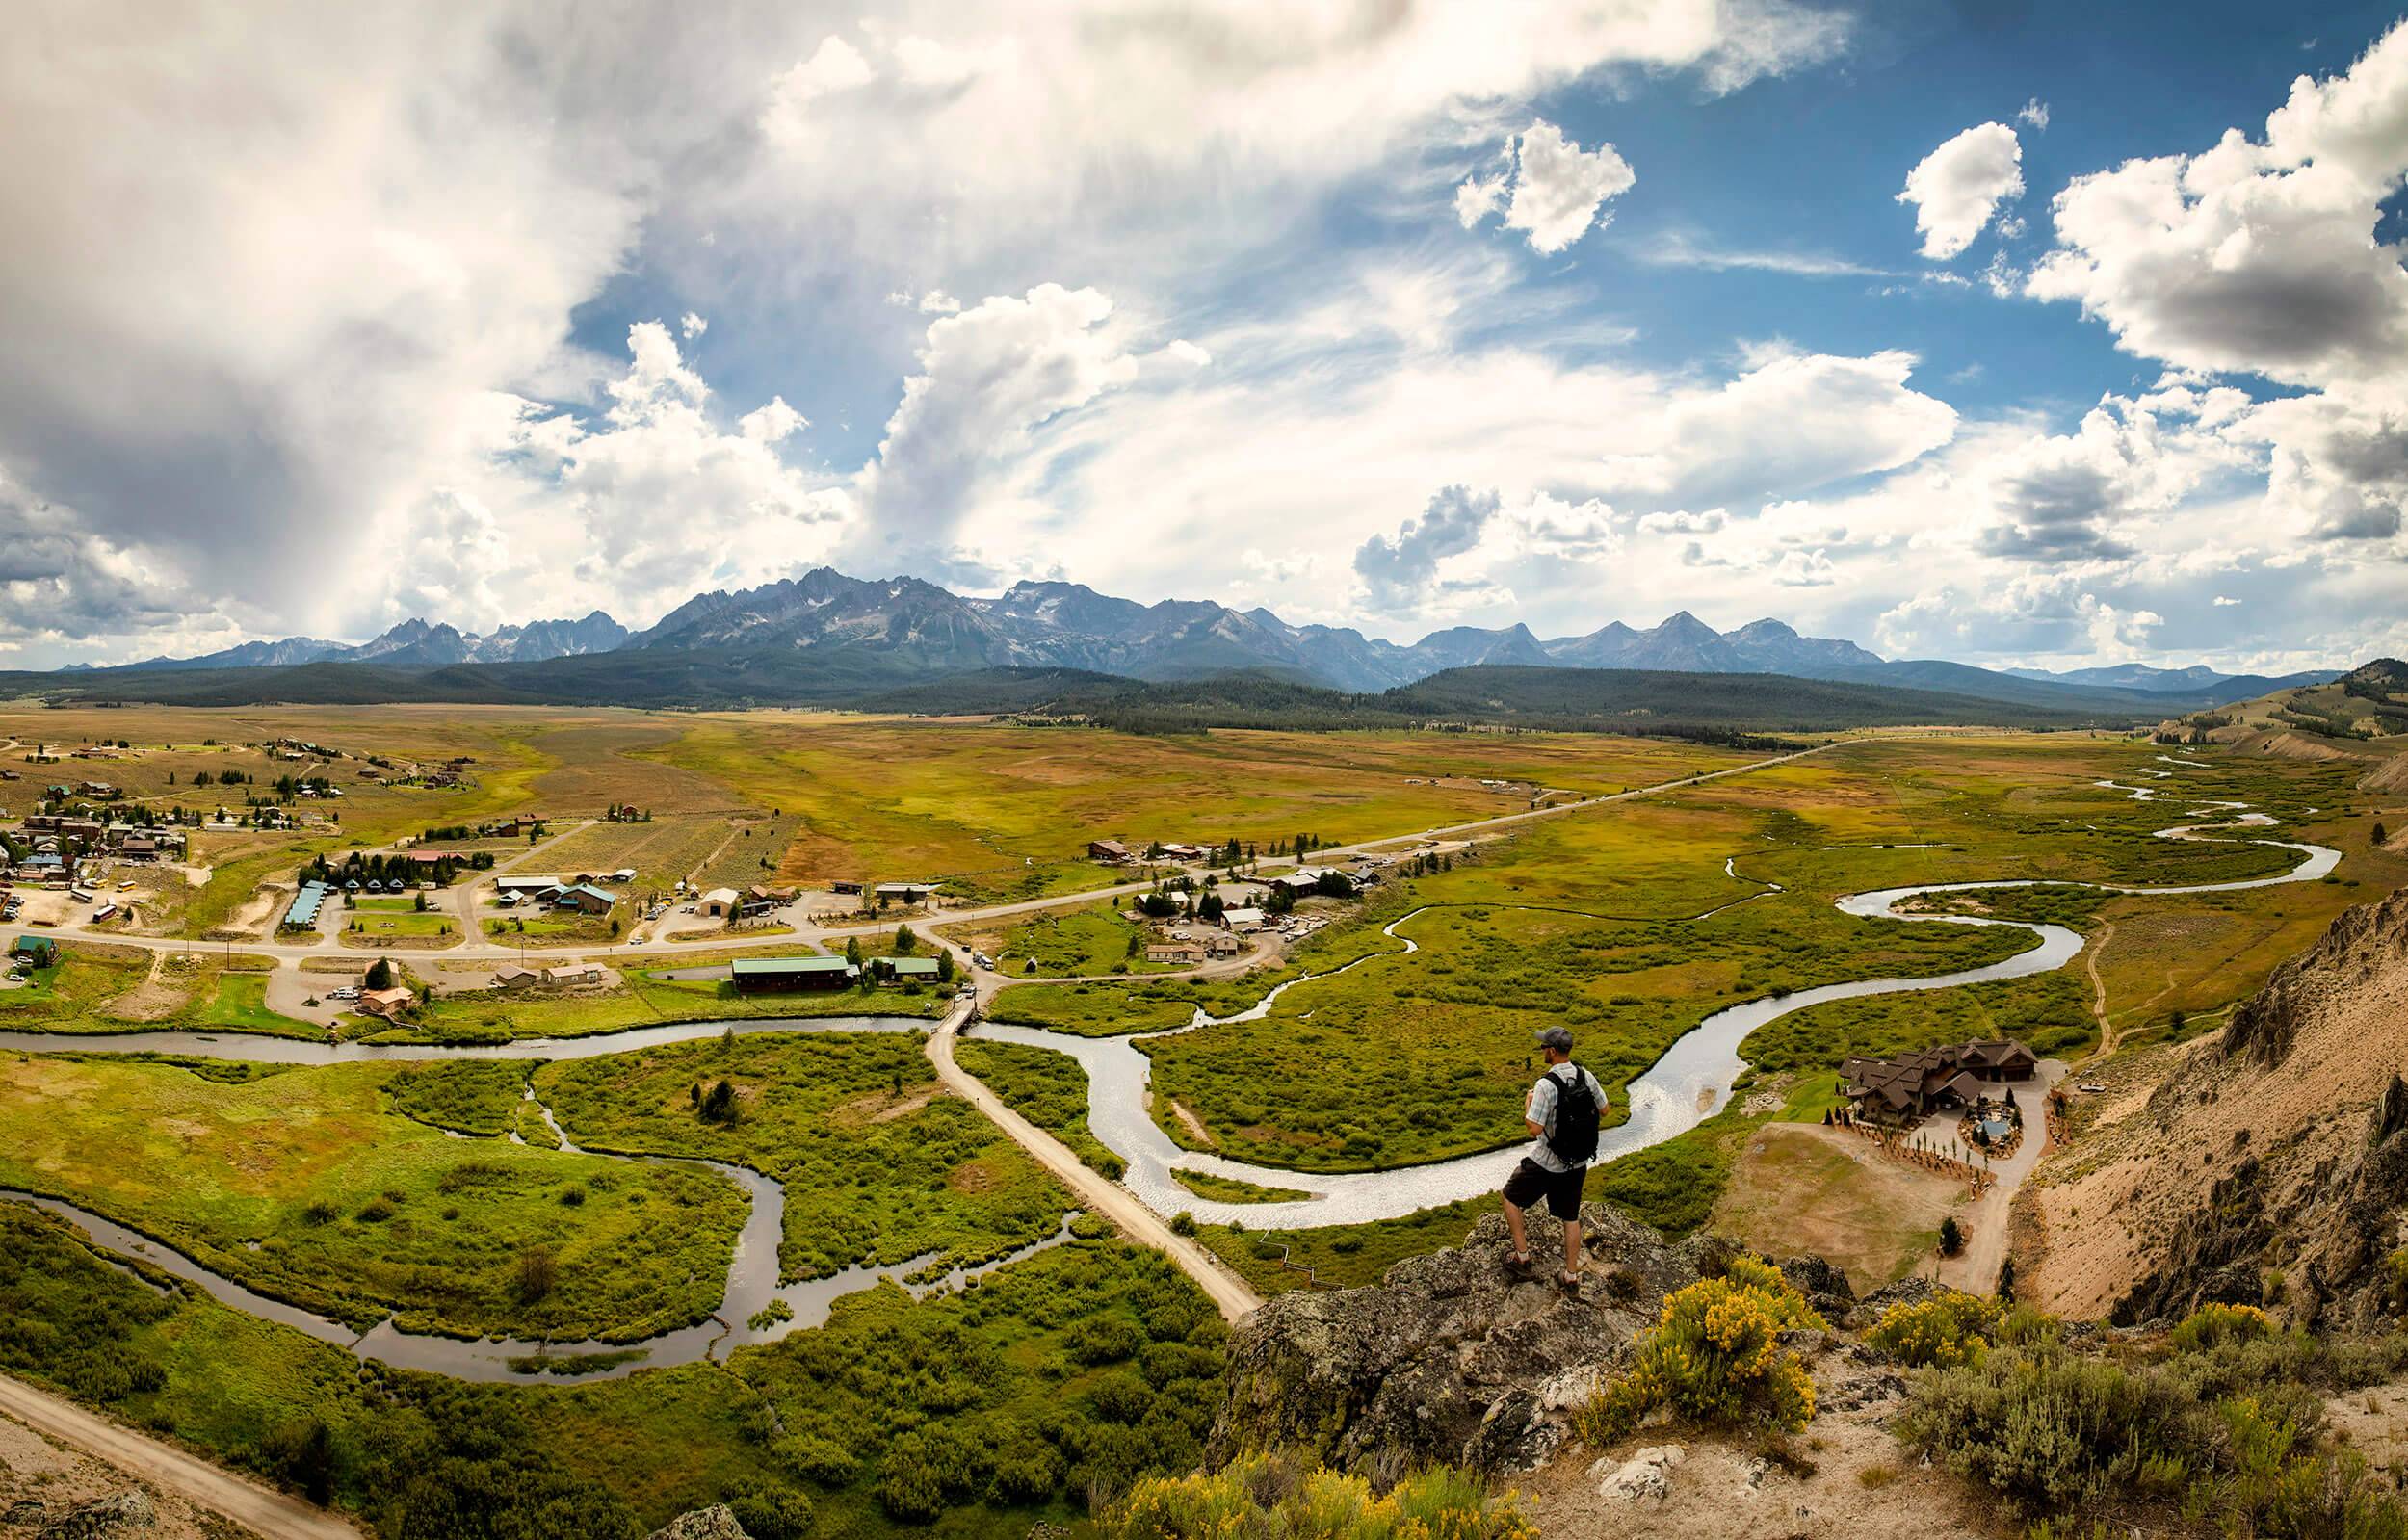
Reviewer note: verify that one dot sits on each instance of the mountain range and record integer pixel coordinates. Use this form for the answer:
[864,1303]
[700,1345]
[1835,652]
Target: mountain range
[416,644]
[824,629]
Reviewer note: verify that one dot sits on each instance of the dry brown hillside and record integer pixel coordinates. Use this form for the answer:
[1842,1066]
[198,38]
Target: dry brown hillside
[2265,1164]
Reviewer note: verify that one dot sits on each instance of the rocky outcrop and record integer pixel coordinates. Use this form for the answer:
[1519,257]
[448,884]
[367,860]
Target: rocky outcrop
[2269,1166]
[1454,1357]
[717,1523]
[125,1514]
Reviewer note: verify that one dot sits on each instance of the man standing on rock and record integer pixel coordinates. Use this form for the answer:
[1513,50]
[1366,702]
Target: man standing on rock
[1564,1108]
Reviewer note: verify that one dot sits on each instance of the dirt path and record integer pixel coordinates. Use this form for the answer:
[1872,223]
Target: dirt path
[2098,986]
[1976,1269]
[1233,1297]
[271,1515]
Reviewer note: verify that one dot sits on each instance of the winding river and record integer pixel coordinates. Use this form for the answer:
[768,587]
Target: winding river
[1688,1084]
[753,1281]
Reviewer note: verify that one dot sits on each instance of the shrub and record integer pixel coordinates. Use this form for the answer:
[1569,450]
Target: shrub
[1261,1498]
[1183,1223]
[1949,1328]
[1715,1355]
[538,1270]
[1951,1236]
[2048,1429]
[2215,1325]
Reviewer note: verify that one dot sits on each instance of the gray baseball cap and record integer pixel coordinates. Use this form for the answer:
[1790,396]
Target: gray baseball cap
[1557,1037]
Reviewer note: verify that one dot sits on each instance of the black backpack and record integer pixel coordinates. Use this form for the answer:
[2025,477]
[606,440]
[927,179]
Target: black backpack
[1574,1140]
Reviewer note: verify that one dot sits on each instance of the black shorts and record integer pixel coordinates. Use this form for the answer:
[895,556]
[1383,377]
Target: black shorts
[1531,1180]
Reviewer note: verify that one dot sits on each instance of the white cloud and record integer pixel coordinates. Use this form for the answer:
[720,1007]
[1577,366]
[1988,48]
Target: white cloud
[2225,601]
[2034,112]
[766,424]
[1683,523]
[691,326]
[1400,574]
[834,67]
[937,302]
[1958,187]
[636,509]
[1793,423]
[1478,198]
[2255,256]
[1557,188]
[987,377]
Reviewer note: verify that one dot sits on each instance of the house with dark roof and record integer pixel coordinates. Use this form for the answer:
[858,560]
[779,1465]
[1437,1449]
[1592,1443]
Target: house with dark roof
[1911,1086]
[762,976]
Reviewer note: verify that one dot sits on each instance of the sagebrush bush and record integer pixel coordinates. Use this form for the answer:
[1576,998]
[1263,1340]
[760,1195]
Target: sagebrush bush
[2049,1429]
[1267,1497]
[1949,1328]
[1715,1355]
[2224,1434]
[2215,1325]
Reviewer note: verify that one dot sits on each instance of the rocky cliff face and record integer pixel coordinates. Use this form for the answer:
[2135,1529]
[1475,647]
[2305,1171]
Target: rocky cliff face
[2270,1166]
[1452,1357]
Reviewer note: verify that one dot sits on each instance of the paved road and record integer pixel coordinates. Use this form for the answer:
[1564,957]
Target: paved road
[1232,1294]
[271,1514]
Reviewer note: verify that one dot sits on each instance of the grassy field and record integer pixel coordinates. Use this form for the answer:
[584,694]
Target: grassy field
[240,1000]
[665,852]
[1076,1371]
[878,1166]
[319,1187]
[998,811]
[1806,1189]
[1066,943]
[1347,1256]
[1584,921]
[641,1000]
[1229,1190]
[1049,1089]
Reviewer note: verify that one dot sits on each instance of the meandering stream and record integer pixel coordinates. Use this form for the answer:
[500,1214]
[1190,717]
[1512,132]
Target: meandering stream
[752,1280]
[1687,1085]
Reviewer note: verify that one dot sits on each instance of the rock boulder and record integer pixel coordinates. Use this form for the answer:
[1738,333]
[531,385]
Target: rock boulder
[1453,1356]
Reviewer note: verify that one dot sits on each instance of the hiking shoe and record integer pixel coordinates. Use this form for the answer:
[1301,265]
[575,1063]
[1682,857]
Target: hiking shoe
[1518,1264]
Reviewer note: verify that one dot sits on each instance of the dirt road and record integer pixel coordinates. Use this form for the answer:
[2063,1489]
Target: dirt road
[1229,1293]
[271,1515]
[1976,1269]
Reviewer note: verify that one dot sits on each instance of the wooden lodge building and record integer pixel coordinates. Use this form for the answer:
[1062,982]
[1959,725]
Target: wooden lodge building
[1915,1085]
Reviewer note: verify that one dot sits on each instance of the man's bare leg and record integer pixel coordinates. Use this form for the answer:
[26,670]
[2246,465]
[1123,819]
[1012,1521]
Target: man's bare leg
[1513,1224]
[1571,1248]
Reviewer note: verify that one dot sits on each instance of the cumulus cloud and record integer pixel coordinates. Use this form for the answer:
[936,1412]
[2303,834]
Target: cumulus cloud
[1958,187]
[1551,190]
[275,257]
[636,507]
[1399,574]
[2035,114]
[2256,255]
[987,378]
[61,581]
[1793,423]
[835,66]
[691,326]
[2260,256]
[1679,522]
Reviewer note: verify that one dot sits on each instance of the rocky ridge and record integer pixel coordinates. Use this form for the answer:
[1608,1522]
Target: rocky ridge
[2268,1166]
[1452,1357]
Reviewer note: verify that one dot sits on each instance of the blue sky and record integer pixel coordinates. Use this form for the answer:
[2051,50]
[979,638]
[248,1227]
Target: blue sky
[1395,318]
